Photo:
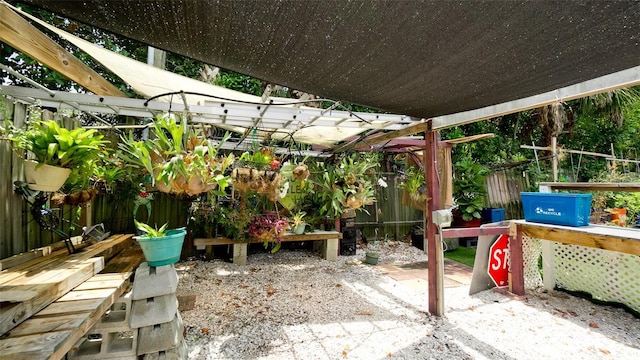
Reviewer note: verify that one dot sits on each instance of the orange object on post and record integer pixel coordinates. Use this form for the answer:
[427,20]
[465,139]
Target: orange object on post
[619,216]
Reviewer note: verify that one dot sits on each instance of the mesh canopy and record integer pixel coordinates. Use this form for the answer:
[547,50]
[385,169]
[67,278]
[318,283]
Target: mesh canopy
[419,58]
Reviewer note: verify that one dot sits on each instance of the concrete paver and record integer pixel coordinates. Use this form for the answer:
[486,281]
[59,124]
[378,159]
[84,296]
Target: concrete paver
[415,275]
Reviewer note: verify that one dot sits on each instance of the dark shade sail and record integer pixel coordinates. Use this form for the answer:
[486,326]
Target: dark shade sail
[420,58]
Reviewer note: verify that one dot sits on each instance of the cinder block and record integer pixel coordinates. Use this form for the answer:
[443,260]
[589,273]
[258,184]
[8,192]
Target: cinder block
[331,250]
[240,253]
[107,345]
[117,318]
[178,353]
[152,311]
[151,281]
[160,337]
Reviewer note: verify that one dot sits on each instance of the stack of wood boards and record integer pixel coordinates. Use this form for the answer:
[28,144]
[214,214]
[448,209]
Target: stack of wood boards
[47,304]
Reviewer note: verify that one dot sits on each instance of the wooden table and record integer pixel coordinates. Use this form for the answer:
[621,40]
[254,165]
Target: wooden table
[619,239]
[327,240]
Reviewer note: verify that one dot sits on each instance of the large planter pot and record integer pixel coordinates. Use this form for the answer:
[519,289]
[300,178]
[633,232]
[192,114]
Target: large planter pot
[44,177]
[458,221]
[162,250]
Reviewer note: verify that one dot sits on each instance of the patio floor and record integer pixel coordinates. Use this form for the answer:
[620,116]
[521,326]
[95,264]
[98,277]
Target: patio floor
[415,275]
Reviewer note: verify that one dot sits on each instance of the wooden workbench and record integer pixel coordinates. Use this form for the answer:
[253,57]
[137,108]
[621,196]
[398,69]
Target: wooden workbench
[328,241]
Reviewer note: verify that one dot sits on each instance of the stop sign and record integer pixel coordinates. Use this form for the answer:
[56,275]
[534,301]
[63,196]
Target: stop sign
[499,261]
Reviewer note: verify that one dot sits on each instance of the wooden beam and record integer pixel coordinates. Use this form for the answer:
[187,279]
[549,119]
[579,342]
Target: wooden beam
[20,34]
[310,236]
[631,187]
[380,138]
[623,240]
[479,231]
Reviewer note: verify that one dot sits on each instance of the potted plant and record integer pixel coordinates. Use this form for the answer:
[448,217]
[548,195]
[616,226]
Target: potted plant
[180,161]
[160,246]
[372,257]
[268,228]
[55,155]
[297,222]
[469,192]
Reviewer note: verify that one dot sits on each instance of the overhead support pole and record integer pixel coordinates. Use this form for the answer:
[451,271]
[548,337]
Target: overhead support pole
[380,138]
[20,34]
[24,78]
[554,152]
[435,261]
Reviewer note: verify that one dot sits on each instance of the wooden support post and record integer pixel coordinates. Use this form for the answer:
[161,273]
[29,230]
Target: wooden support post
[516,281]
[434,244]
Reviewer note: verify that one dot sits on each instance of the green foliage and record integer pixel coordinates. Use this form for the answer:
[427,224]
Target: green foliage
[234,219]
[297,219]
[239,82]
[414,183]
[349,184]
[55,145]
[149,231]
[50,143]
[625,200]
[469,189]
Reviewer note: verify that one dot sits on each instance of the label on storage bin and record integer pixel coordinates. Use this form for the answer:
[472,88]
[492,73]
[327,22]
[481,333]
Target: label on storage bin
[548,212]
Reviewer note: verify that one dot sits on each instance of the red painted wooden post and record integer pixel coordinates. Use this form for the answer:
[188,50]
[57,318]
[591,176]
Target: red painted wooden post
[517,264]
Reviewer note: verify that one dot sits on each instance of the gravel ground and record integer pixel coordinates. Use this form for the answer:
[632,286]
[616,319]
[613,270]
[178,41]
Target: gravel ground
[294,305]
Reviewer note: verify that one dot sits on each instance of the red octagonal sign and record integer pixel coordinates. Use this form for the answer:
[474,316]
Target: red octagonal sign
[499,261]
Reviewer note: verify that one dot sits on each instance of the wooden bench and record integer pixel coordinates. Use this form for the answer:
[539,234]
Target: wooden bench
[327,244]
[69,302]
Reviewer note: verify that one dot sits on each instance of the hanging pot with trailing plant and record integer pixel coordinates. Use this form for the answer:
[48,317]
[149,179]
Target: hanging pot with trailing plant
[53,153]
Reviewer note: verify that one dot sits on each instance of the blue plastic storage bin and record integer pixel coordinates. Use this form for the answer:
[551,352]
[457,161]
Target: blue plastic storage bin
[491,215]
[557,209]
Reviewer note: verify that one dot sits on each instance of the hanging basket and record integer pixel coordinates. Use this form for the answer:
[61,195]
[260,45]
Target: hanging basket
[162,250]
[180,185]
[44,177]
[264,182]
[74,199]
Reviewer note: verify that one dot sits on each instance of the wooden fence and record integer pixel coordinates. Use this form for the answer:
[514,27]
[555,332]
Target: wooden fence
[388,218]
[503,189]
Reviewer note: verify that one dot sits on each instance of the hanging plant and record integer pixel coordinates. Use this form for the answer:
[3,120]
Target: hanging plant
[347,185]
[181,161]
[257,171]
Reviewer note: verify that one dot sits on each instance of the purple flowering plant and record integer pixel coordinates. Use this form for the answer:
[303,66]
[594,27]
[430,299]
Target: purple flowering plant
[268,228]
